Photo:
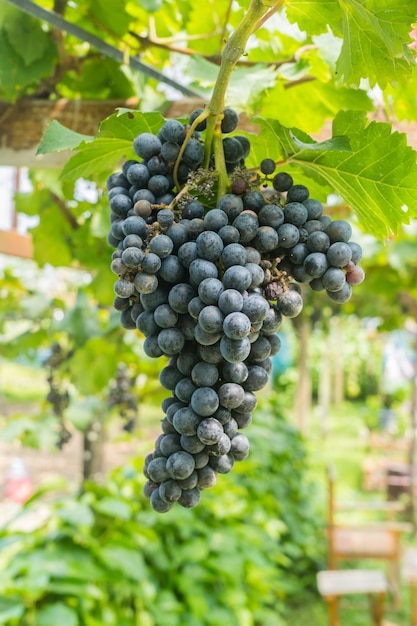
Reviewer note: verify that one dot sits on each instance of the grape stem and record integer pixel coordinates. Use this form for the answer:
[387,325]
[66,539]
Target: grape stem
[232,52]
[188,136]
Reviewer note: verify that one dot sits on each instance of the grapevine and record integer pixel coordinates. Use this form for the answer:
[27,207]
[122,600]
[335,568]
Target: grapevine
[122,398]
[58,396]
[209,257]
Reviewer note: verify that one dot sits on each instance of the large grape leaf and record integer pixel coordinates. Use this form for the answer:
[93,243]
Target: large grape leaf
[312,103]
[25,35]
[400,98]
[314,16]
[374,32]
[374,36]
[247,84]
[113,142]
[57,137]
[377,177]
[19,70]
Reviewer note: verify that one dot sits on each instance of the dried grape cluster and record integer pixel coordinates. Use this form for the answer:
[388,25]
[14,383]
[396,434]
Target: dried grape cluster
[208,287]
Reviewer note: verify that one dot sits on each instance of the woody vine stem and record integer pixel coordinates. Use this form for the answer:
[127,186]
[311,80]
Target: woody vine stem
[232,52]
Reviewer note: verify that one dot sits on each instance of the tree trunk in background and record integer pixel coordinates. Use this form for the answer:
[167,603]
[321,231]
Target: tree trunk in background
[93,451]
[337,341]
[324,385]
[303,389]
[413,445]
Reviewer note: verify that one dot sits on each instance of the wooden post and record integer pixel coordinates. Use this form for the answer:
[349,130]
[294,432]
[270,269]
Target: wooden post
[93,453]
[332,603]
[413,445]
[303,389]
[331,559]
[337,342]
[324,391]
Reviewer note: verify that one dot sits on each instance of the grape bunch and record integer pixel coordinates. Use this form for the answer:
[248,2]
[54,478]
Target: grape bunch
[58,396]
[208,283]
[122,398]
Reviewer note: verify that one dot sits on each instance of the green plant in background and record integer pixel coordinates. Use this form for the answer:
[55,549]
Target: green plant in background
[104,558]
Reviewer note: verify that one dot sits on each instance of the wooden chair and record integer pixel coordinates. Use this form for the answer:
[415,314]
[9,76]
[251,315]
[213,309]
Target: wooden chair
[380,540]
[409,574]
[332,584]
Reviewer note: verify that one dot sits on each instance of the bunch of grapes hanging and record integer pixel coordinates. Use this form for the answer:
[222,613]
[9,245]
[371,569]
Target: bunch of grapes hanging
[208,283]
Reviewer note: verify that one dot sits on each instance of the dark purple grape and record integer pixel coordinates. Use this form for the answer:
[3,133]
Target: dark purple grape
[267,166]
[230,120]
[282,181]
[147,145]
[290,303]
[297,193]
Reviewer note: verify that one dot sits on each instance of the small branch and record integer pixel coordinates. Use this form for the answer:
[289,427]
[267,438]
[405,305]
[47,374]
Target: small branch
[300,81]
[188,136]
[299,53]
[60,6]
[169,40]
[233,51]
[65,211]
[267,15]
[148,42]
[179,195]
[226,21]
[102,27]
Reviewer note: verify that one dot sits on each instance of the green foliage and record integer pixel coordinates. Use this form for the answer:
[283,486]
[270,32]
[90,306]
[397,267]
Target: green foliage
[57,137]
[374,35]
[357,163]
[114,141]
[27,53]
[349,163]
[255,81]
[106,558]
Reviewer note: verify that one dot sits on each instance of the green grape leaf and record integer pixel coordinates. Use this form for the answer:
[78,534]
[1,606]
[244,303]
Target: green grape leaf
[314,16]
[26,36]
[51,239]
[151,6]
[99,79]
[377,177]
[375,33]
[81,322]
[57,137]
[311,104]
[401,99]
[82,411]
[16,72]
[10,610]
[129,562]
[206,19]
[112,15]
[246,85]
[57,613]
[114,141]
[90,380]
[281,143]
[114,507]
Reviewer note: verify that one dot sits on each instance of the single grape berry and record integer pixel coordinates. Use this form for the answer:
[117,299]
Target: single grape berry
[230,121]
[282,181]
[267,166]
[193,116]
